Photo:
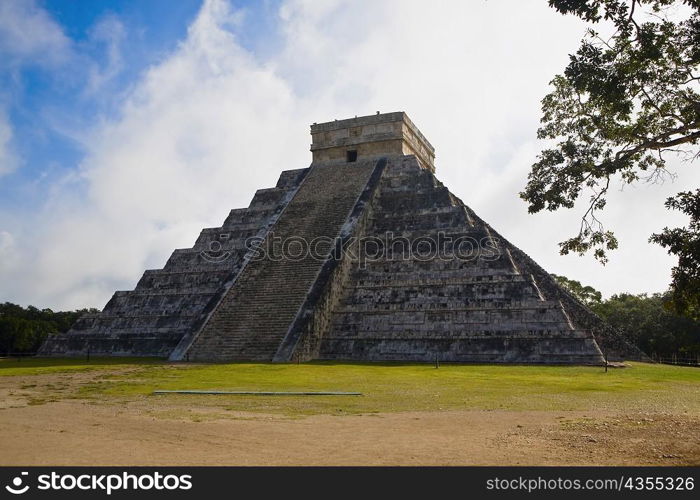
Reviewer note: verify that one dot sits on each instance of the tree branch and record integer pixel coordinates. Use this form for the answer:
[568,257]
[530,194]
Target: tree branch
[656,107]
[656,143]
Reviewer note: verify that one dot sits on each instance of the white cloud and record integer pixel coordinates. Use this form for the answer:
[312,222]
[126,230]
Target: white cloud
[27,32]
[212,122]
[8,158]
[196,137]
[6,245]
[110,32]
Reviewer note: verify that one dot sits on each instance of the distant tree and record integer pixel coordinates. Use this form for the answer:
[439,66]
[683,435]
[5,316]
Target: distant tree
[649,325]
[623,104]
[25,329]
[29,334]
[643,320]
[586,294]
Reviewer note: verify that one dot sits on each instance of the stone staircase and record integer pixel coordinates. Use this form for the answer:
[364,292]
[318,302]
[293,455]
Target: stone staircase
[253,319]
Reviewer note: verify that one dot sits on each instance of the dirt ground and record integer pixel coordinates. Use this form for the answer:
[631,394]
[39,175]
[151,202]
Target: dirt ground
[155,431]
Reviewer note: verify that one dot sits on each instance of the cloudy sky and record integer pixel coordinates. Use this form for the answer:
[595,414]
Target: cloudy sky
[126,127]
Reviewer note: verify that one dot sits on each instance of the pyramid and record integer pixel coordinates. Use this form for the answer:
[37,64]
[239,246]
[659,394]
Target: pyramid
[364,256]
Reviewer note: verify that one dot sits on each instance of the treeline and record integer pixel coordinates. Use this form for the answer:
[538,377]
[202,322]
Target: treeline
[22,330]
[648,321]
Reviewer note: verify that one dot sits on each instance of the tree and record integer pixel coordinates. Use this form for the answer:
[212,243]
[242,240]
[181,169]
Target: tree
[643,320]
[24,330]
[650,326]
[624,104]
[586,294]
[685,243]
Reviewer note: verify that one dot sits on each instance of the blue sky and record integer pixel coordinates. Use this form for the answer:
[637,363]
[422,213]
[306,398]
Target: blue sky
[127,126]
[36,94]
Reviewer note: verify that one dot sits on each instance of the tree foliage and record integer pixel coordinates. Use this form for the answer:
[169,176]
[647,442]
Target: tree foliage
[586,294]
[650,326]
[23,330]
[643,320]
[685,243]
[624,103]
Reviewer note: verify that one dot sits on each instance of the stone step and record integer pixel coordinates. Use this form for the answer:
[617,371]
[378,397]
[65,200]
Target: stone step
[409,330]
[144,302]
[395,201]
[423,267]
[455,334]
[191,260]
[555,348]
[448,294]
[226,238]
[438,309]
[176,280]
[439,319]
[441,218]
[247,218]
[403,280]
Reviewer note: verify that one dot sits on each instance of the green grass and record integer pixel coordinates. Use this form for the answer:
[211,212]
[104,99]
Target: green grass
[386,387]
[38,366]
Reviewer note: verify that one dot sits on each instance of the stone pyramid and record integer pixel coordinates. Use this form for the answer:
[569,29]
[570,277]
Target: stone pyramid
[365,255]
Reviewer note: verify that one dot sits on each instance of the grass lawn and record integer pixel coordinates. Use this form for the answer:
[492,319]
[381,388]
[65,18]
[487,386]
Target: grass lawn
[39,366]
[385,387]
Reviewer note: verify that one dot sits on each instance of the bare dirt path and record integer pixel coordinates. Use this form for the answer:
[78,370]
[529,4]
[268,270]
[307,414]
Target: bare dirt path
[71,432]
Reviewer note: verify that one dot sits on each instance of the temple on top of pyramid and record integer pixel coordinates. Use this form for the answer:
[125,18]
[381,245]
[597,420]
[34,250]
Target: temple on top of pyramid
[364,255]
[373,136]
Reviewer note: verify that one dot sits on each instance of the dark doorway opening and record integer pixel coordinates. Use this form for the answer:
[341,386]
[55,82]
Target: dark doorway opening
[352,156]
